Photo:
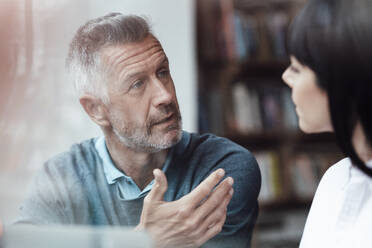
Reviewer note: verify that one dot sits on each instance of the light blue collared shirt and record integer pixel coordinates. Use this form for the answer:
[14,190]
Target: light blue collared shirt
[127,187]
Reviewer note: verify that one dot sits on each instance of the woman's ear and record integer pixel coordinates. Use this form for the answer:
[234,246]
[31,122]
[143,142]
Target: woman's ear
[96,109]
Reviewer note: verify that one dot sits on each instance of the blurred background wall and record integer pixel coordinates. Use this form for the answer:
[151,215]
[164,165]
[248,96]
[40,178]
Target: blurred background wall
[39,114]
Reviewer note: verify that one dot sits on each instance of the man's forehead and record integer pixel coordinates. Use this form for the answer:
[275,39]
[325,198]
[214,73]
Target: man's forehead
[131,52]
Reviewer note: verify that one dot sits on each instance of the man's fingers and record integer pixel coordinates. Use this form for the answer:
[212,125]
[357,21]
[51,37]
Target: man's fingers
[159,188]
[219,194]
[211,232]
[204,188]
[213,224]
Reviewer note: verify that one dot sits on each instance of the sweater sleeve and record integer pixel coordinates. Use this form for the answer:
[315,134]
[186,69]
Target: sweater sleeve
[242,210]
[44,203]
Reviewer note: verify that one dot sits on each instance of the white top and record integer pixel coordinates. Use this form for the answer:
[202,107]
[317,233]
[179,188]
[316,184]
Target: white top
[341,212]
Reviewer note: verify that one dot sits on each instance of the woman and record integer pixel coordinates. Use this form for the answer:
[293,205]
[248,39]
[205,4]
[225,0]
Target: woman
[331,79]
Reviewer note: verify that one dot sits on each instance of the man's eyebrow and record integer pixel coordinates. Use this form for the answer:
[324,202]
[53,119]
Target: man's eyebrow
[129,77]
[164,60]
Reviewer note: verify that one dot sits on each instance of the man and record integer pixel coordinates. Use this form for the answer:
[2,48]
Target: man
[145,172]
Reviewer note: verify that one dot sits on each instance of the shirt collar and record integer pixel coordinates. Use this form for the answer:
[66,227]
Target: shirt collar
[112,173]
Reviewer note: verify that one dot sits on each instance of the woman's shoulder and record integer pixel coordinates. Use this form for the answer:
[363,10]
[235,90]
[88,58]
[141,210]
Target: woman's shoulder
[340,169]
[337,174]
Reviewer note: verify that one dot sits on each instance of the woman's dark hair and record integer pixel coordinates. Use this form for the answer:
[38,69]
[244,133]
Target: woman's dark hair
[334,39]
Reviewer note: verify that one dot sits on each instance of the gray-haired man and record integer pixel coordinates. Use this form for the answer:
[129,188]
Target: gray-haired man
[145,171]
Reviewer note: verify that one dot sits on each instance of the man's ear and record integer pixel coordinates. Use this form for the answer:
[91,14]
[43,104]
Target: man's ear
[96,109]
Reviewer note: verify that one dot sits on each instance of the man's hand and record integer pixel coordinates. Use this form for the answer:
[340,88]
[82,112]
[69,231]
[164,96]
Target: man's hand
[191,220]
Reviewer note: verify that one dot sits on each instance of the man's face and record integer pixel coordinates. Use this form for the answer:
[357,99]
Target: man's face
[143,110]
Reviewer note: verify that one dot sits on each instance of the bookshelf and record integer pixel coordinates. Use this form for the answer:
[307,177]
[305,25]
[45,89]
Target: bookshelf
[241,57]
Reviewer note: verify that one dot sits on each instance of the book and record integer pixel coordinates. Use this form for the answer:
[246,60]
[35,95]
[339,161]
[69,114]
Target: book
[246,109]
[307,169]
[289,110]
[271,108]
[271,186]
[227,28]
[277,23]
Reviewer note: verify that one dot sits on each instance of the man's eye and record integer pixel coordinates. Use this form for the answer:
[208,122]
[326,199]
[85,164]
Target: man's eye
[163,73]
[137,85]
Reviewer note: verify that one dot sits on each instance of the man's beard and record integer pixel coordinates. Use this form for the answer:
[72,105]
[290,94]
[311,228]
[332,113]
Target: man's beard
[140,138]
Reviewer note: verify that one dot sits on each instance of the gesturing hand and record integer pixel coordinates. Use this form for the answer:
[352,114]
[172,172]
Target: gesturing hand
[191,220]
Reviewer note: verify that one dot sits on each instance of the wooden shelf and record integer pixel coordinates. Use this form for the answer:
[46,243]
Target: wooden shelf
[285,205]
[279,136]
[253,73]
[247,66]
[262,4]
[269,70]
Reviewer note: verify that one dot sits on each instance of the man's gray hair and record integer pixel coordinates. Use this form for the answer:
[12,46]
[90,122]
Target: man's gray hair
[84,60]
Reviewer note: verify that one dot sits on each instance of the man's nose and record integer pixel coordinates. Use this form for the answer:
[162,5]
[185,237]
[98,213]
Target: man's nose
[163,93]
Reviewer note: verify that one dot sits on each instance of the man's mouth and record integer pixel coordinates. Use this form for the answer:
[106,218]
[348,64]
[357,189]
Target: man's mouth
[166,119]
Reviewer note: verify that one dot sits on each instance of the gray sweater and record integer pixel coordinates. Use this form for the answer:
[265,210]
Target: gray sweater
[71,188]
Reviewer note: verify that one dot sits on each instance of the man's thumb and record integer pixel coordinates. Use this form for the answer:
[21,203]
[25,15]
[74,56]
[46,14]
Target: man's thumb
[160,186]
